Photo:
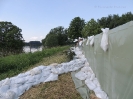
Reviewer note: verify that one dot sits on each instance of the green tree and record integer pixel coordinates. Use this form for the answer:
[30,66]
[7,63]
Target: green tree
[11,39]
[75,28]
[51,40]
[91,28]
[59,35]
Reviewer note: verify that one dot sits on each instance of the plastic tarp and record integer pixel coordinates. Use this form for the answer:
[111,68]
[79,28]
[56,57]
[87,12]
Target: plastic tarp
[113,68]
[85,79]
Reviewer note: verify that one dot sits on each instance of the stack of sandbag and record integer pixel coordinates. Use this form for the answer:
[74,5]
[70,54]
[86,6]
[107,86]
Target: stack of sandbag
[12,88]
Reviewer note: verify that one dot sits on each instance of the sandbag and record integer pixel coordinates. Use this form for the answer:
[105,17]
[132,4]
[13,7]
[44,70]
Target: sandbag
[81,75]
[6,82]
[22,89]
[4,88]
[10,95]
[92,40]
[46,73]
[30,79]
[80,43]
[53,70]
[52,77]
[35,71]
[95,81]
[88,40]
[38,76]
[20,80]
[90,84]
[16,91]
[92,76]
[104,40]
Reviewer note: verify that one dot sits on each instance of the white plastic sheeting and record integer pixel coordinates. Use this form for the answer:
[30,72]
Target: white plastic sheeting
[86,74]
[90,40]
[104,40]
[12,88]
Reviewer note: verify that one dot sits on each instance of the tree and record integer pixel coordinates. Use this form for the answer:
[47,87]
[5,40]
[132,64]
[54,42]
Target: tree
[56,37]
[75,28]
[91,28]
[11,39]
[51,40]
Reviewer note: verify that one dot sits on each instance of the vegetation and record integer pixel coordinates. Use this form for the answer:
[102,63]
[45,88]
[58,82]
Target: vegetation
[14,64]
[11,40]
[79,28]
[75,28]
[56,37]
[93,27]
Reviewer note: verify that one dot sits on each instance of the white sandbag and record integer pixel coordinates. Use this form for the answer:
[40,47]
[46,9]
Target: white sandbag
[85,68]
[35,71]
[60,70]
[92,40]
[15,90]
[104,40]
[37,77]
[41,67]
[52,77]
[43,78]
[2,95]
[46,73]
[80,43]
[30,79]
[28,85]
[4,88]
[47,68]
[90,84]
[88,40]
[20,80]
[86,64]
[53,70]
[97,89]
[15,85]
[81,75]
[27,73]
[6,82]
[83,42]
[10,95]
[92,76]
[22,89]
[1,82]
[21,75]
[95,81]
[101,95]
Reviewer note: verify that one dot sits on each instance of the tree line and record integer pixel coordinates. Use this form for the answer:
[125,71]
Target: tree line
[12,41]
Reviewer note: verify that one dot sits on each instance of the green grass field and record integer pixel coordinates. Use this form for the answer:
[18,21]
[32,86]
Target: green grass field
[15,64]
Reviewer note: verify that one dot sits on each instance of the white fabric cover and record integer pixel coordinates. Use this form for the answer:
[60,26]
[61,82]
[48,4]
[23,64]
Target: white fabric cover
[91,40]
[104,40]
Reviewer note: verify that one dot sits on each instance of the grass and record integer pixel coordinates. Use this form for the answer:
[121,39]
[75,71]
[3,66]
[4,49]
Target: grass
[64,88]
[15,64]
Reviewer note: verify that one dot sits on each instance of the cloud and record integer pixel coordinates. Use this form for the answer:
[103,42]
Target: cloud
[36,38]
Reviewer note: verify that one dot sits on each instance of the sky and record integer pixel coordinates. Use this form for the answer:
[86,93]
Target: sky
[37,17]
